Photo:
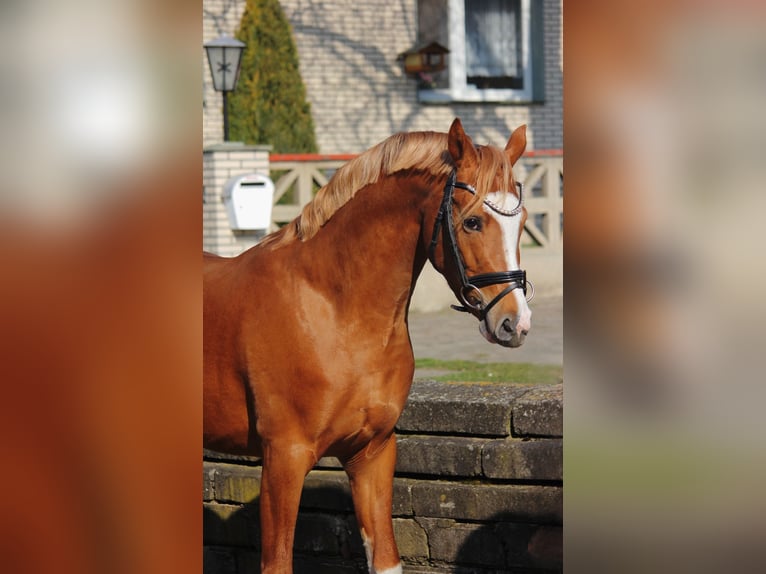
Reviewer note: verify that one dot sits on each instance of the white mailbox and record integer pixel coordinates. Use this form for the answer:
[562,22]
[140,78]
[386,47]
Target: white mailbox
[248,200]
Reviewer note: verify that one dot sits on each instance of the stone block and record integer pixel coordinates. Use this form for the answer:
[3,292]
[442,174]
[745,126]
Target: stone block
[468,544]
[236,483]
[328,534]
[351,541]
[208,476]
[411,539]
[515,541]
[218,561]
[439,455]
[497,502]
[546,548]
[328,462]
[322,565]
[337,567]
[319,533]
[461,408]
[539,412]
[531,546]
[402,499]
[214,455]
[229,525]
[327,490]
[515,459]
[248,561]
[492,547]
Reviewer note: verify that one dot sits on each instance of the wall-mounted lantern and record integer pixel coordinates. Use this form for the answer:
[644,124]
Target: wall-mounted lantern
[427,58]
[224,55]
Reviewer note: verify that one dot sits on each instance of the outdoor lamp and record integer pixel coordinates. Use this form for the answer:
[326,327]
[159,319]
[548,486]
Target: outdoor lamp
[224,55]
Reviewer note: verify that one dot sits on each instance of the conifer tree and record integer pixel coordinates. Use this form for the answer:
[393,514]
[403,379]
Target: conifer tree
[269,105]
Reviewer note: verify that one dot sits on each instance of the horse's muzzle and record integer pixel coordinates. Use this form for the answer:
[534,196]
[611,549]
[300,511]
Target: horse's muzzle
[508,331]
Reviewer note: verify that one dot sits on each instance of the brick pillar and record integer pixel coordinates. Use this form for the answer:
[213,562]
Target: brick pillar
[220,162]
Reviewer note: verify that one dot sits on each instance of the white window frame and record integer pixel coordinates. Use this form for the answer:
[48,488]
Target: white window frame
[459,90]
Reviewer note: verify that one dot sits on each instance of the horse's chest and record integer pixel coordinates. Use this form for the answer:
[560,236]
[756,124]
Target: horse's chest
[365,424]
[380,417]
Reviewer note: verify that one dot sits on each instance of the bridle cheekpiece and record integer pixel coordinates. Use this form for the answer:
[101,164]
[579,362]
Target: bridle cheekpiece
[516,279]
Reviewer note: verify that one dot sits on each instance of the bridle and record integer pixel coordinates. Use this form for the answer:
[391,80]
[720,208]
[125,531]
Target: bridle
[517,279]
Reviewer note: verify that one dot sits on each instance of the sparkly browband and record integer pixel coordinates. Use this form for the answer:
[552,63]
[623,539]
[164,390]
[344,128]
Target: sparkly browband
[496,208]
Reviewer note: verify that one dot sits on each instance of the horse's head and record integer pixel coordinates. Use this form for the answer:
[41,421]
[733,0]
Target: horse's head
[475,239]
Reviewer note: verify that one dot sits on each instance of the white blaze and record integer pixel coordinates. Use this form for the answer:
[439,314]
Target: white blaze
[510,230]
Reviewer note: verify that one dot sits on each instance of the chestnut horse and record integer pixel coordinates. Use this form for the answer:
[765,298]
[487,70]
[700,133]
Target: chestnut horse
[306,346]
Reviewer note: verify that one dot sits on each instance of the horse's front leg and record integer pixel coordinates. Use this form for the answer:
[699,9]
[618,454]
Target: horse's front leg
[371,476]
[285,466]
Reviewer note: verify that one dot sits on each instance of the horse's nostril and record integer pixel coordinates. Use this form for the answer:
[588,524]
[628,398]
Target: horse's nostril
[507,326]
[525,333]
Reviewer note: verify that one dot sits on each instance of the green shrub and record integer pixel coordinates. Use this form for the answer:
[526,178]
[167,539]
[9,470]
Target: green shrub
[269,105]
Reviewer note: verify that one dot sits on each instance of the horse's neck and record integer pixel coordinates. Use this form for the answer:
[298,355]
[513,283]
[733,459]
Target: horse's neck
[369,254]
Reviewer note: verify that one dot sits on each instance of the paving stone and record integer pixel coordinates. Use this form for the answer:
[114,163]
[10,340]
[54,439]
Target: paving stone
[455,336]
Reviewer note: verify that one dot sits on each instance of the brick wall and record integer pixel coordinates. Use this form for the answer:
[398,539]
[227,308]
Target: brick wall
[478,490]
[220,163]
[358,91]
[546,121]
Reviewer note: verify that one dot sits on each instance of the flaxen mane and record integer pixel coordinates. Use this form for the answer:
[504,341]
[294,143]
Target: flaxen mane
[422,150]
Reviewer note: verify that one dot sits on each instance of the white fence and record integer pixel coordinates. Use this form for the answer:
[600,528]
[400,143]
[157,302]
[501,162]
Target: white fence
[298,176]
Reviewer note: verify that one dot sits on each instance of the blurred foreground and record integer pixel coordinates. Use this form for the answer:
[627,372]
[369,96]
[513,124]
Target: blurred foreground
[664,454]
[100,299]
[100,350]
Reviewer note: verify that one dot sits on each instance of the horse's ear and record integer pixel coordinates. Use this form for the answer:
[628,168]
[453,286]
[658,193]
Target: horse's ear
[517,143]
[460,146]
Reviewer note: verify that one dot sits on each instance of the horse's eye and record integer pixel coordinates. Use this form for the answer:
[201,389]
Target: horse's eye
[472,224]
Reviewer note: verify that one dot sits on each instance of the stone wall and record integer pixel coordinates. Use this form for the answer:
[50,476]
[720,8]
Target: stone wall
[478,490]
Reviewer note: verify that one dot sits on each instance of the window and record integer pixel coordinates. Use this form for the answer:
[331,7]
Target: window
[495,53]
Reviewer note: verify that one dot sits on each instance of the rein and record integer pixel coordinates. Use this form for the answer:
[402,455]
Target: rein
[516,279]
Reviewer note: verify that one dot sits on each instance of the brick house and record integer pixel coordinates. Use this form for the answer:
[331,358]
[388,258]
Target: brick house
[360,94]
[350,60]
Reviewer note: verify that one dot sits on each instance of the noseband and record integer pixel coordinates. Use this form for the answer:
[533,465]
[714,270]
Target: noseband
[516,279]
